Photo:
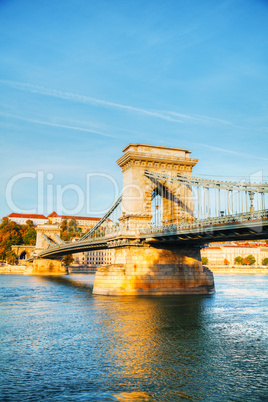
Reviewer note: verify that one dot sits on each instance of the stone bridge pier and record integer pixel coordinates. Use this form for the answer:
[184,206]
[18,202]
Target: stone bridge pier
[46,266]
[141,268]
[148,270]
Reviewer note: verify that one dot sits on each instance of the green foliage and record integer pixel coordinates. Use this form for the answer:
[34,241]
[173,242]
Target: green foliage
[29,236]
[204,260]
[238,260]
[67,259]
[69,230]
[249,260]
[11,257]
[12,234]
[265,261]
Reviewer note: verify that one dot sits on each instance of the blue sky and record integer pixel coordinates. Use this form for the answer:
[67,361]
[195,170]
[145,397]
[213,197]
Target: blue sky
[80,79]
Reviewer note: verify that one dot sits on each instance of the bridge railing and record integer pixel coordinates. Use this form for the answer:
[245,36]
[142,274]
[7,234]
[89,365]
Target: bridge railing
[208,222]
[119,230]
[202,198]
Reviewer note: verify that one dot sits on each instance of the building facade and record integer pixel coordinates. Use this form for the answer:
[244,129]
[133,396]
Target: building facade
[21,219]
[84,222]
[94,259]
[221,253]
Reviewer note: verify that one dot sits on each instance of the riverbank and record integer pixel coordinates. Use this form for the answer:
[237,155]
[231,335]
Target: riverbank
[27,270]
[239,270]
[12,269]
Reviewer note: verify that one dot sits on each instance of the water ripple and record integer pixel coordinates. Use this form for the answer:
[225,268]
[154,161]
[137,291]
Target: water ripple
[60,342]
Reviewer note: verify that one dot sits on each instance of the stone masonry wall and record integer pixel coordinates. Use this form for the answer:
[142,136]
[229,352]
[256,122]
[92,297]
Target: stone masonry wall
[147,270]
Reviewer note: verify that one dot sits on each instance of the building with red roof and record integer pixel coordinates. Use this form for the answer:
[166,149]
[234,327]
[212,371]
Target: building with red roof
[21,218]
[85,222]
[219,253]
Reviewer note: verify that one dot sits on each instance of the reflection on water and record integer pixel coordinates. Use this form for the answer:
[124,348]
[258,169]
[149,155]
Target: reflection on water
[61,342]
[70,282]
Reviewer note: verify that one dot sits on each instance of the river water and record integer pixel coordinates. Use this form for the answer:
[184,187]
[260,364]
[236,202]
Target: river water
[59,342]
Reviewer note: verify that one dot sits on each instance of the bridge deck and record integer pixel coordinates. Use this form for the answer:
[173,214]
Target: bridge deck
[195,233]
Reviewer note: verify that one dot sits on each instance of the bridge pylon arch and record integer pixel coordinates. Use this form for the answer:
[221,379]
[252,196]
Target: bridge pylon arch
[177,202]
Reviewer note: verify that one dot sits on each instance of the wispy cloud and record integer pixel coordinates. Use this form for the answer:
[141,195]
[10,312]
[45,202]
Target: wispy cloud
[229,151]
[46,123]
[200,118]
[164,115]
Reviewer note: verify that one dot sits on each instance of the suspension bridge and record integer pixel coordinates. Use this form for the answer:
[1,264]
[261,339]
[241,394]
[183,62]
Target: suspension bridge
[162,219]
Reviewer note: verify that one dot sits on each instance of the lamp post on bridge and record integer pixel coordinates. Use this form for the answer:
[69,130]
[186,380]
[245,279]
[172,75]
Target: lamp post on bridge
[251,197]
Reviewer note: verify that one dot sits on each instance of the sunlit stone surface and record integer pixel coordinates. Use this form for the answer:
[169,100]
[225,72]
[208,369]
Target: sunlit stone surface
[148,270]
[45,266]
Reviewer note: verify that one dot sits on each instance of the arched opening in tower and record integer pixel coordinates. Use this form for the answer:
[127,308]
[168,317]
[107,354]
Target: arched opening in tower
[23,255]
[156,208]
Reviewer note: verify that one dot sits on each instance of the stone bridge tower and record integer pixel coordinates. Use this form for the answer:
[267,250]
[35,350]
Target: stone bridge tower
[138,189]
[46,234]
